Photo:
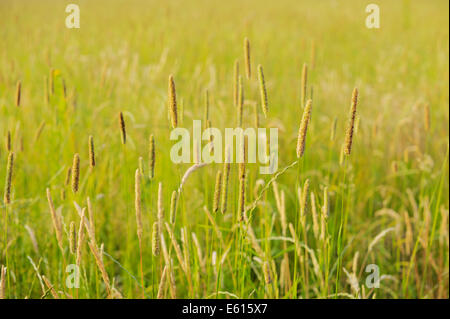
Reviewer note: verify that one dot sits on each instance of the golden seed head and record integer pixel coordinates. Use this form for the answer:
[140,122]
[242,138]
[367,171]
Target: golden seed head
[304,199]
[151,172]
[18,93]
[248,70]
[173,207]
[155,238]
[8,141]
[263,91]
[9,174]
[225,179]
[91,152]
[236,83]
[68,175]
[172,102]
[141,165]
[351,124]
[72,238]
[217,191]
[75,173]
[123,132]
[301,141]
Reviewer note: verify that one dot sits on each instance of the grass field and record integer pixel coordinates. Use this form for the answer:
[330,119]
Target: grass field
[383,209]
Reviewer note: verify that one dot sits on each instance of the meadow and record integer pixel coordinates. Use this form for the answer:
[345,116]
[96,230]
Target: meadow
[94,207]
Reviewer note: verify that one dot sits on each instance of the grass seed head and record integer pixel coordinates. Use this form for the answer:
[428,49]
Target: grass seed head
[123,132]
[173,207]
[263,91]
[75,173]
[18,93]
[351,124]
[301,141]
[217,191]
[91,152]
[151,172]
[172,102]
[9,174]
[155,238]
[236,83]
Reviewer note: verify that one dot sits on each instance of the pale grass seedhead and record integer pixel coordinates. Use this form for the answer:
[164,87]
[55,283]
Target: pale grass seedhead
[75,173]
[263,91]
[9,175]
[301,141]
[2,282]
[217,191]
[351,124]
[172,103]
[236,83]
[50,287]
[39,131]
[304,202]
[141,166]
[155,238]
[173,207]
[91,152]
[123,131]
[151,172]
[162,283]
[8,141]
[68,176]
[18,93]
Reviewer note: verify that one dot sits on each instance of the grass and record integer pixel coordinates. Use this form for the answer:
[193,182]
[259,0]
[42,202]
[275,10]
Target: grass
[385,204]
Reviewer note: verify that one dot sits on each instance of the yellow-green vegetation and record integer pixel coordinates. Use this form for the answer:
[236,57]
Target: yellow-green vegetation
[362,179]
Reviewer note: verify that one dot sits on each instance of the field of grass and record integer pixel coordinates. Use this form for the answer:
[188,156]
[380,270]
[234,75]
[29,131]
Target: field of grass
[386,204]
